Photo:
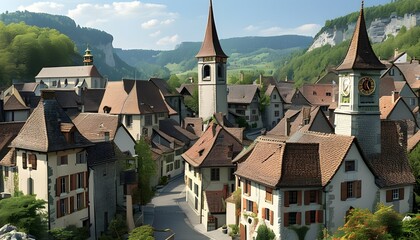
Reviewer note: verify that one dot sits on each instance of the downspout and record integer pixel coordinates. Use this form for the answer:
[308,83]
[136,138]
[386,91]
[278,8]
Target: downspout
[49,219]
[325,209]
[201,198]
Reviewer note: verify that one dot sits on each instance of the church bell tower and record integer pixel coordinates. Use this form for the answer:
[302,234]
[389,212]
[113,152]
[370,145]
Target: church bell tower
[358,111]
[212,74]
[88,57]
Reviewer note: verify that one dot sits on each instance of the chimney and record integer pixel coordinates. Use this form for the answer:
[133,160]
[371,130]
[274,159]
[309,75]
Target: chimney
[287,127]
[306,116]
[225,191]
[191,79]
[396,52]
[395,96]
[241,77]
[47,94]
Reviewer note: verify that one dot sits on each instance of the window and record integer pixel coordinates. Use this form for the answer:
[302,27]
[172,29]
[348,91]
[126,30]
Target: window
[6,171]
[328,94]
[351,189]
[80,200]
[350,166]
[80,180]
[254,111]
[177,164]
[276,113]
[190,167]
[276,105]
[247,187]
[231,174]
[63,160]
[81,157]
[293,197]
[190,183]
[32,161]
[312,196]
[292,218]
[266,214]
[314,216]
[274,96]
[148,120]
[196,189]
[249,206]
[169,167]
[220,71]
[395,194]
[128,121]
[206,72]
[63,184]
[62,207]
[215,174]
[24,161]
[268,195]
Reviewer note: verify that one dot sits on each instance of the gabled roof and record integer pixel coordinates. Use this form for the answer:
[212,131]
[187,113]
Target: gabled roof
[241,93]
[163,87]
[70,72]
[271,89]
[172,128]
[211,45]
[14,102]
[287,90]
[216,147]
[43,131]
[187,88]
[173,141]
[413,141]
[411,72]
[360,54]
[133,97]
[318,94]
[8,131]
[93,126]
[92,98]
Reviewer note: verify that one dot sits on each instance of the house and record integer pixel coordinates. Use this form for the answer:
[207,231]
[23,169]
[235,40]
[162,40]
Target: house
[173,129]
[321,95]
[274,112]
[14,107]
[209,172]
[244,102]
[395,108]
[51,162]
[139,104]
[8,131]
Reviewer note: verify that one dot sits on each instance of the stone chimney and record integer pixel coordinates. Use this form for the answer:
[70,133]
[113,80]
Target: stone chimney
[395,96]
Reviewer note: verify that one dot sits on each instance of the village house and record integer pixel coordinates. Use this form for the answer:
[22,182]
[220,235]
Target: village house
[274,111]
[244,102]
[14,107]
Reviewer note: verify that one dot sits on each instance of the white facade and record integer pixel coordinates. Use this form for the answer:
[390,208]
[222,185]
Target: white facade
[141,125]
[274,112]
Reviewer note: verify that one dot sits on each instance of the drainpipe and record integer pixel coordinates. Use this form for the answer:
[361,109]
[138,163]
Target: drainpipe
[201,199]
[325,208]
[49,219]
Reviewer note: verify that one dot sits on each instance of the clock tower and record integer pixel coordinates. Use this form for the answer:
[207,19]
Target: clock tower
[212,74]
[358,111]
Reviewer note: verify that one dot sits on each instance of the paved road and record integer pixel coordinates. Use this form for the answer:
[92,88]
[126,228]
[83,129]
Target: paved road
[168,214]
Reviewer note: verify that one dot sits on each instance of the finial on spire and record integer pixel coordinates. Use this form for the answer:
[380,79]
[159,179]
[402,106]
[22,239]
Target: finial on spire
[363,3]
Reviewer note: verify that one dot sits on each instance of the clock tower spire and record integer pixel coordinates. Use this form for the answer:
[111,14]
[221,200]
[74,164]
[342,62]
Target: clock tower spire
[358,111]
[212,74]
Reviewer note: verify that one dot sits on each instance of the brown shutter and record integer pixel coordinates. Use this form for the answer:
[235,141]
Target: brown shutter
[86,199]
[67,205]
[343,191]
[319,216]
[71,204]
[298,218]
[243,203]
[73,182]
[58,209]
[286,219]
[358,188]
[271,217]
[263,213]
[58,186]
[299,196]
[286,198]
[389,196]
[307,217]
[249,187]
[254,207]
[306,196]
[85,180]
[242,231]
[319,197]
[401,194]
[67,183]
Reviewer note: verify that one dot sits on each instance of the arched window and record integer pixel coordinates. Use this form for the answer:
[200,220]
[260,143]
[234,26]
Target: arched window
[206,72]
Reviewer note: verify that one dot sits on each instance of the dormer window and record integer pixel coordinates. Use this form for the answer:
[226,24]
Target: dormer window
[68,131]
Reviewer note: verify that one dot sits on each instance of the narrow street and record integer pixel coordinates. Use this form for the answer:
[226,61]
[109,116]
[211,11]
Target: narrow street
[169,215]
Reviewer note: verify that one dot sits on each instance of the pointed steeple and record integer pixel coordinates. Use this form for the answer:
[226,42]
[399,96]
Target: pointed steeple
[360,54]
[211,45]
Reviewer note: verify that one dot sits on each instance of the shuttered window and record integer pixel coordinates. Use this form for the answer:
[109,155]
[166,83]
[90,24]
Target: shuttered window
[351,189]
[395,194]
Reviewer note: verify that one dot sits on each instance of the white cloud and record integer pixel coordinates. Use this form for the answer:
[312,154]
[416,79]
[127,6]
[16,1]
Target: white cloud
[306,29]
[167,21]
[155,34]
[45,7]
[150,24]
[251,28]
[168,40]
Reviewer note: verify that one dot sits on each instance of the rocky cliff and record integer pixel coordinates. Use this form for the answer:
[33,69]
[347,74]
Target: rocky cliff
[378,30]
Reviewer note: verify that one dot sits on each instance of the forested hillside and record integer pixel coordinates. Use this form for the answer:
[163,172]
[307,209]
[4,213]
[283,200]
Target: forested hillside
[309,66]
[100,42]
[24,50]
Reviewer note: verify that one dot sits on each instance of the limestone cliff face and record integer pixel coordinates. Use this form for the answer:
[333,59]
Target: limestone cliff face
[108,51]
[378,30]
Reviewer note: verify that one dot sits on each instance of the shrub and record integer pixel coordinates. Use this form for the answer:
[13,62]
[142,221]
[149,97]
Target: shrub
[263,233]
[142,233]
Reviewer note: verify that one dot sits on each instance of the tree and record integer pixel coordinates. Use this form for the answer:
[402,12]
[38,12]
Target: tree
[263,233]
[142,233]
[146,170]
[26,213]
[174,82]
[70,233]
[192,102]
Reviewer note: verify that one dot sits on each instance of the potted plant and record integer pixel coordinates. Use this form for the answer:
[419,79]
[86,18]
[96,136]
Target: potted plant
[224,229]
[234,231]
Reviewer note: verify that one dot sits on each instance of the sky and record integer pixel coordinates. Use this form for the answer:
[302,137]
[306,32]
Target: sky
[163,24]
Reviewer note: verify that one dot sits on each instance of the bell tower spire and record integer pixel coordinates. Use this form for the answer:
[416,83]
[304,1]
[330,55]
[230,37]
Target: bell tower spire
[358,111]
[88,57]
[212,74]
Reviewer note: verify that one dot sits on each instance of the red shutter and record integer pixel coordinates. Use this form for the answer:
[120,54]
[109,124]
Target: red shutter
[58,186]
[58,209]
[286,219]
[299,196]
[343,191]
[243,203]
[242,231]
[319,216]
[249,187]
[389,196]
[263,213]
[271,217]
[254,207]
[86,180]
[306,196]
[319,197]
[358,188]
[86,199]
[71,204]
[298,218]
[401,194]
[307,217]
[73,182]
[286,198]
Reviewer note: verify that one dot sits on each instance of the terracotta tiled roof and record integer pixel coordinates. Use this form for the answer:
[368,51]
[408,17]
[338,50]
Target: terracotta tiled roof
[411,72]
[114,97]
[271,89]
[42,131]
[93,126]
[172,128]
[14,102]
[360,54]
[392,167]
[241,93]
[215,201]
[317,94]
[92,98]
[8,158]
[332,150]
[176,143]
[413,141]
[211,45]
[8,131]
[386,105]
[70,72]
[386,86]
[287,90]
[280,128]
[216,147]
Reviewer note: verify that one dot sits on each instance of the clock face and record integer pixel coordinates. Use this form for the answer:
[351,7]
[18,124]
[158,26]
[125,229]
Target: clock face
[346,86]
[366,85]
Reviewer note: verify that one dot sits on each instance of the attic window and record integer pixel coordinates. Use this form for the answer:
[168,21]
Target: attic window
[328,94]
[314,93]
[201,152]
[68,131]
[107,109]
